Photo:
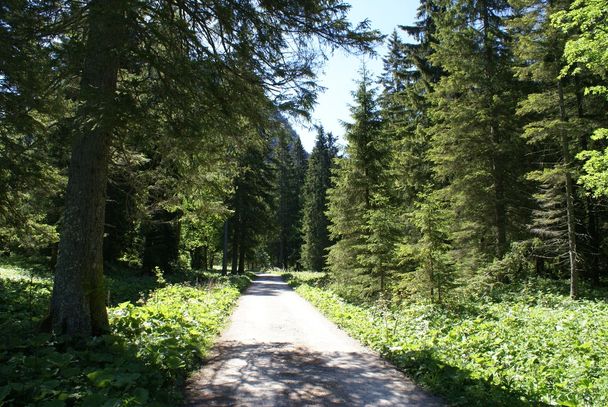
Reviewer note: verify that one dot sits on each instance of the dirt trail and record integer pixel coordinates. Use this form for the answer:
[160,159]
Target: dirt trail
[280,351]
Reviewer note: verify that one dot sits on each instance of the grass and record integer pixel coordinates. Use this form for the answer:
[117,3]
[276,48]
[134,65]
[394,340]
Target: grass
[523,347]
[161,331]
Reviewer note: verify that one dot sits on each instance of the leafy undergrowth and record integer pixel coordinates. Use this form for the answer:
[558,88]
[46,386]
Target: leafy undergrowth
[157,339]
[525,349]
[310,278]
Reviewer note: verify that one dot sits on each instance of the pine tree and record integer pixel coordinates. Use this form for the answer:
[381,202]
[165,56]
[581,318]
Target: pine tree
[175,45]
[290,159]
[558,128]
[252,204]
[357,193]
[474,141]
[435,270]
[318,181]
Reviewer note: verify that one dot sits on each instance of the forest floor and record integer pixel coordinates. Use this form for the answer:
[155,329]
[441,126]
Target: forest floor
[280,351]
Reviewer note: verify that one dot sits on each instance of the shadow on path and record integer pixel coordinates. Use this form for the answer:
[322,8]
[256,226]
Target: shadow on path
[280,374]
[280,351]
[268,285]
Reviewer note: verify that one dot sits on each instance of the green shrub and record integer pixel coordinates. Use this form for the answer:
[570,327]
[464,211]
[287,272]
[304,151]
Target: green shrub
[523,350]
[155,342]
[311,278]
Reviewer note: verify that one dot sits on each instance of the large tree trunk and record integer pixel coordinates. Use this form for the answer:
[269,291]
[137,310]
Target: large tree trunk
[78,305]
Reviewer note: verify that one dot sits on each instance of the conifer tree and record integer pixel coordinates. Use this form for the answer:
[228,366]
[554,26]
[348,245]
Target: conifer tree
[474,134]
[558,127]
[318,181]
[32,150]
[252,204]
[290,160]
[435,271]
[199,53]
[357,192]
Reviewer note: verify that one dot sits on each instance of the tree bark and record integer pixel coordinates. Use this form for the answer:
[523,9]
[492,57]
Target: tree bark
[242,260]
[224,250]
[235,247]
[500,212]
[196,258]
[78,305]
[574,277]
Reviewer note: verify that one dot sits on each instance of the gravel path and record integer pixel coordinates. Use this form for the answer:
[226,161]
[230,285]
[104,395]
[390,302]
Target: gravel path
[280,351]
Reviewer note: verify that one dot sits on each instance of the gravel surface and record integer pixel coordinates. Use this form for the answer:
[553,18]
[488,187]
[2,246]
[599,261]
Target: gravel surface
[280,351]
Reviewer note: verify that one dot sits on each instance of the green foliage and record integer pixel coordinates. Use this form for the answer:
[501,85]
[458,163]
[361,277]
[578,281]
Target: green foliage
[584,50]
[291,162]
[311,278]
[317,182]
[358,198]
[473,132]
[435,268]
[587,48]
[31,147]
[521,348]
[156,341]
[595,167]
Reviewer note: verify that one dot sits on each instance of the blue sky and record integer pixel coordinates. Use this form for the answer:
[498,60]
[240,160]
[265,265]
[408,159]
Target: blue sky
[341,70]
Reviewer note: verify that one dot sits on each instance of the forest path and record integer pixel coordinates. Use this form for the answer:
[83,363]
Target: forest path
[280,351]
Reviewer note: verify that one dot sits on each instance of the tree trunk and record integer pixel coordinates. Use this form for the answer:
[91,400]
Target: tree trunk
[569,199]
[225,250]
[205,257]
[78,305]
[235,248]
[242,260]
[196,258]
[593,266]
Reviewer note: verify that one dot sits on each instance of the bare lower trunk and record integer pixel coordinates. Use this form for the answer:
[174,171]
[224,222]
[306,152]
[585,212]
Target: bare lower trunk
[569,200]
[500,212]
[225,250]
[78,305]
[235,248]
[242,261]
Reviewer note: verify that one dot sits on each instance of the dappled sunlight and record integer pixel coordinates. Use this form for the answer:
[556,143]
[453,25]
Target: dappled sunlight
[284,374]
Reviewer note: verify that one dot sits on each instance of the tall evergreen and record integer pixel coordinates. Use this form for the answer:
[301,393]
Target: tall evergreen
[32,147]
[199,53]
[252,204]
[318,181]
[559,128]
[474,134]
[357,192]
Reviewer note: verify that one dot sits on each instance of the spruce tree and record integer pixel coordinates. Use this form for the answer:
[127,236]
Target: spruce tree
[290,160]
[435,270]
[318,181]
[474,133]
[252,205]
[233,47]
[558,128]
[358,192]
